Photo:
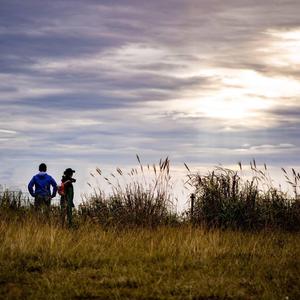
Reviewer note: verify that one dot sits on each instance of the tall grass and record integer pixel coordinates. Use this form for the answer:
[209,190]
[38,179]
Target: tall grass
[141,197]
[222,198]
[17,207]
[13,199]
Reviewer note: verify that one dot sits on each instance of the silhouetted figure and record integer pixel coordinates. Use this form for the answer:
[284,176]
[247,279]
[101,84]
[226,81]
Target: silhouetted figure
[39,188]
[67,195]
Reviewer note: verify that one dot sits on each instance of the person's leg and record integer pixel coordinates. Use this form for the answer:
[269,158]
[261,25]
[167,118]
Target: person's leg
[69,214]
[63,208]
[37,202]
[47,201]
[38,207]
[46,205]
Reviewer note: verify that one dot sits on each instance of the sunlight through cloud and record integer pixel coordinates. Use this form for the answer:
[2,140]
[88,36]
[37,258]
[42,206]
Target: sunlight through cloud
[284,48]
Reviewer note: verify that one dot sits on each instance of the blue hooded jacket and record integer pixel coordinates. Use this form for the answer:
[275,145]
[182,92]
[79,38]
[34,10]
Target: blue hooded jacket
[42,183]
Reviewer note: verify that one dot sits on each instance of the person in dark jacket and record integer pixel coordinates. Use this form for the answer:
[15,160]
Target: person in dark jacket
[39,187]
[66,200]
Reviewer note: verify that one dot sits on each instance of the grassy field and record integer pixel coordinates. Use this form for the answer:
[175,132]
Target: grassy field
[44,261]
[239,239]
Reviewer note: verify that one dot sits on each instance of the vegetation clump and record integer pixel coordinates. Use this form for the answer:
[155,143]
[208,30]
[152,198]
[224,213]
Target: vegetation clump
[142,197]
[223,198]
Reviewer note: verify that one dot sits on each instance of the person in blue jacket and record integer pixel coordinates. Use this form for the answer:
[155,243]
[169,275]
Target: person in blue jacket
[39,187]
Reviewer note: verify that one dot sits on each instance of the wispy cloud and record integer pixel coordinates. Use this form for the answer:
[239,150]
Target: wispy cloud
[201,81]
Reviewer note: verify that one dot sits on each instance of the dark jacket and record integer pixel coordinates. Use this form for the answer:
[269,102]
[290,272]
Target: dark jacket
[41,184]
[69,190]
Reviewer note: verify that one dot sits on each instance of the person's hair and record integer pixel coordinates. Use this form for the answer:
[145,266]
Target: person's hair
[42,167]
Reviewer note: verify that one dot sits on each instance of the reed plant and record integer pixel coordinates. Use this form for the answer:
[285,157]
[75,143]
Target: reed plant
[141,197]
[13,199]
[223,198]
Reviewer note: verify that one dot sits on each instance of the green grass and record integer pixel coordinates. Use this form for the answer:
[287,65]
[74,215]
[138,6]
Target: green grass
[44,261]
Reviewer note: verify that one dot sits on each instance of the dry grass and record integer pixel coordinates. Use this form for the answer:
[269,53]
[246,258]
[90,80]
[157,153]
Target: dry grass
[44,261]
[141,197]
[223,198]
[125,245]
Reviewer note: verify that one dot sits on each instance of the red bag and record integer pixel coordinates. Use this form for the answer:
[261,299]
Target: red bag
[61,189]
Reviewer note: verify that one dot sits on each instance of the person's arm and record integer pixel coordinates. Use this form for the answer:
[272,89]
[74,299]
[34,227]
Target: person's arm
[54,187]
[30,186]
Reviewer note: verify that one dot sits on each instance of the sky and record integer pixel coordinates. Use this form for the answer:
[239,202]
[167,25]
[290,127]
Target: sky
[88,84]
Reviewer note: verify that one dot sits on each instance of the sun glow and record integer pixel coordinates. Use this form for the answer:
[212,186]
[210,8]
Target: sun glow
[242,96]
[246,96]
[284,48]
[232,109]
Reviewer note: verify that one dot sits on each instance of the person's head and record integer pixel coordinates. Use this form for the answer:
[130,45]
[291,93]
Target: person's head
[42,167]
[69,172]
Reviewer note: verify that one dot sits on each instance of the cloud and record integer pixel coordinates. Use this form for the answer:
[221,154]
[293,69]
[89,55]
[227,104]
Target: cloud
[5,131]
[83,82]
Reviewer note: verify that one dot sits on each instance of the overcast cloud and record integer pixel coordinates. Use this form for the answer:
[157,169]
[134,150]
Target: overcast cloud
[91,83]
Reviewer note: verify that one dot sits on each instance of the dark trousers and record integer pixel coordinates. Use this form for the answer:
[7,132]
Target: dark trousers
[42,201]
[42,206]
[66,210]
